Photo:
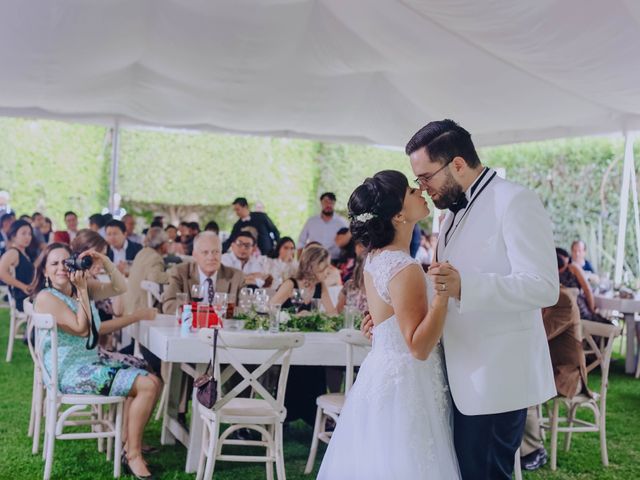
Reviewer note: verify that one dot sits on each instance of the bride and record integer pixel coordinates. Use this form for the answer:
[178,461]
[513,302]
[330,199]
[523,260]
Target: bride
[396,422]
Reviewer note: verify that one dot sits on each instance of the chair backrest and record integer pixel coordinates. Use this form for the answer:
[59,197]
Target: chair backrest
[46,330]
[153,292]
[281,346]
[601,350]
[353,339]
[27,307]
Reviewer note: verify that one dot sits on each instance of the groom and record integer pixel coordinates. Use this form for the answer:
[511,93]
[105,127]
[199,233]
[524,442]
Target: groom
[496,258]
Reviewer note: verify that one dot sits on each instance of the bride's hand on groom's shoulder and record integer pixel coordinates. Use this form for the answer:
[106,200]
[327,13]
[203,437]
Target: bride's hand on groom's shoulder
[366,327]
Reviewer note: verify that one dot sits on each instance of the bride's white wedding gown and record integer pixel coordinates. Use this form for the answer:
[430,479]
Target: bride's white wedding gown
[397,422]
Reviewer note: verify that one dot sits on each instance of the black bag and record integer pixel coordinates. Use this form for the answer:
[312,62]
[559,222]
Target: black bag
[207,386]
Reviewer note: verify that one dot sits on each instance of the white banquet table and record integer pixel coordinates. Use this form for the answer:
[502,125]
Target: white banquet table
[628,307]
[162,337]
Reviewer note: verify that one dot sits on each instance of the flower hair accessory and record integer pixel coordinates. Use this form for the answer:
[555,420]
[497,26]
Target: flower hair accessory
[364,217]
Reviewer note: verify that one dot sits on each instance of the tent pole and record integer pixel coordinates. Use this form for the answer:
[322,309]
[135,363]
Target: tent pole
[634,191]
[115,159]
[627,168]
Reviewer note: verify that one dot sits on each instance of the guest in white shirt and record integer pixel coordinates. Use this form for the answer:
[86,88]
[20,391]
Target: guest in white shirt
[323,228]
[283,265]
[240,258]
[121,251]
[130,224]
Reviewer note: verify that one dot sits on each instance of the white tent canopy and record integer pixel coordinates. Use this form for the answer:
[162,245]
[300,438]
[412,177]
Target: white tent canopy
[349,70]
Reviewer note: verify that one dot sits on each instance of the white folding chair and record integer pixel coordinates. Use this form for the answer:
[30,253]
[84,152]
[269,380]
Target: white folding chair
[4,292]
[16,321]
[56,418]
[265,415]
[570,424]
[330,404]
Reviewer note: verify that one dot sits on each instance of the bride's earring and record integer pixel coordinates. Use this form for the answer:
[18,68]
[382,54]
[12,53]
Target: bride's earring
[47,282]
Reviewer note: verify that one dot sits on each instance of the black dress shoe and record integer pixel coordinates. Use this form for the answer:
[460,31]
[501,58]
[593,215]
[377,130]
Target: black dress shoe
[534,460]
[127,468]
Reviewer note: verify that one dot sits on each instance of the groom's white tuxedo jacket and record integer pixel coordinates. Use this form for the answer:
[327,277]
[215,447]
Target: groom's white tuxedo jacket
[496,350]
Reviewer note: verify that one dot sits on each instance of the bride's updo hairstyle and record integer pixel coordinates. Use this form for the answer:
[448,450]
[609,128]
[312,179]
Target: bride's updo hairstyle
[372,206]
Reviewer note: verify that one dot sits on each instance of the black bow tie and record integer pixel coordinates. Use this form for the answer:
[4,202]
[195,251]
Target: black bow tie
[460,203]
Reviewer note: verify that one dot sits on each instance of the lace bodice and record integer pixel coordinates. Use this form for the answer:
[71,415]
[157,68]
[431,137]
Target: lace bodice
[383,266]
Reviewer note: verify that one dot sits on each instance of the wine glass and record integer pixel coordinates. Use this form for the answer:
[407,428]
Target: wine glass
[220,301]
[197,292]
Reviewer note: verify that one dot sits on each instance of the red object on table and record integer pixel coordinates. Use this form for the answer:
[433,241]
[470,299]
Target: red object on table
[212,318]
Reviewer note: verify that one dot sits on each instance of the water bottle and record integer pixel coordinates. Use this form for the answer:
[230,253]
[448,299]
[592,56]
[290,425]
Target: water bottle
[185,326]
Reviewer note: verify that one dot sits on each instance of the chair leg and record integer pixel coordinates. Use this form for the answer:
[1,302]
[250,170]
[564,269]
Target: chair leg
[314,442]
[554,435]
[571,414]
[12,334]
[271,451]
[603,440]
[37,416]
[32,416]
[517,468]
[203,450]
[280,472]
[111,413]
[117,454]
[212,450]
[52,416]
[99,428]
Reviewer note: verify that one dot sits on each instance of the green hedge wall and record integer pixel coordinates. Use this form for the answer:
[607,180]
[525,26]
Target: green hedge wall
[54,166]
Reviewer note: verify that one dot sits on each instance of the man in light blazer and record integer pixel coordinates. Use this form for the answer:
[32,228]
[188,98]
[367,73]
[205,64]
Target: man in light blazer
[206,269]
[148,265]
[496,258]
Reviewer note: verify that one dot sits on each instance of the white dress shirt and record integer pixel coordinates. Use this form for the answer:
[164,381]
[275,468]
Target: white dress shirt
[120,254]
[252,265]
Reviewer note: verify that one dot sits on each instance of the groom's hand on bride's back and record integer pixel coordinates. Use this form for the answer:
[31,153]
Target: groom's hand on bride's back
[366,327]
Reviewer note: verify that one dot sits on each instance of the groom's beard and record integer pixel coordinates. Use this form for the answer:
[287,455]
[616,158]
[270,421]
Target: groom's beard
[448,193]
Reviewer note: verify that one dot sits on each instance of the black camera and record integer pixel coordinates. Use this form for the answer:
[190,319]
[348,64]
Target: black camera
[75,263]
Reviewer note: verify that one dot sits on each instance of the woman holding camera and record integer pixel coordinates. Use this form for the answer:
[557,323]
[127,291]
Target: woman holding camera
[16,265]
[64,289]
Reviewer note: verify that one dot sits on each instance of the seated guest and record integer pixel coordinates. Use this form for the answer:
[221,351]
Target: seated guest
[347,258]
[47,229]
[174,246]
[572,276]
[212,226]
[579,256]
[148,265]
[266,232]
[353,292]
[69,296]
[121,250]
[16,265]
[240,257]
[6,220]
[311,276]
[130,225]
[97,223]
[282,264]
[562,326]
[425,252]
[37,223]
[205,269]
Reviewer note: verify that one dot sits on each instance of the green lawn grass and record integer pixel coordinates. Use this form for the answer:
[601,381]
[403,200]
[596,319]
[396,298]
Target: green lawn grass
[78,459]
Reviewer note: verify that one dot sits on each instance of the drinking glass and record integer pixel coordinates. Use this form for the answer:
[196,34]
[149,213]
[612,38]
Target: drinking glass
[274,318]
[245,300]
[350,315]
[202,314]
[181,300]
[296,298]
[220,304]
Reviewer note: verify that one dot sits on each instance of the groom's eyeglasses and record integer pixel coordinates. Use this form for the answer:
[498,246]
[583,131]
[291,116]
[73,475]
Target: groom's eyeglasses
[423,180]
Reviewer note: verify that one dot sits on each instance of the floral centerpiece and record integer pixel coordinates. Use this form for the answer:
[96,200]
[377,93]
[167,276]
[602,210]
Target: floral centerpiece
[292,322]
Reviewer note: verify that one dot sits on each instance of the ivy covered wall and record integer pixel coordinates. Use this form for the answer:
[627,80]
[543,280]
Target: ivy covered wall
[54,166]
